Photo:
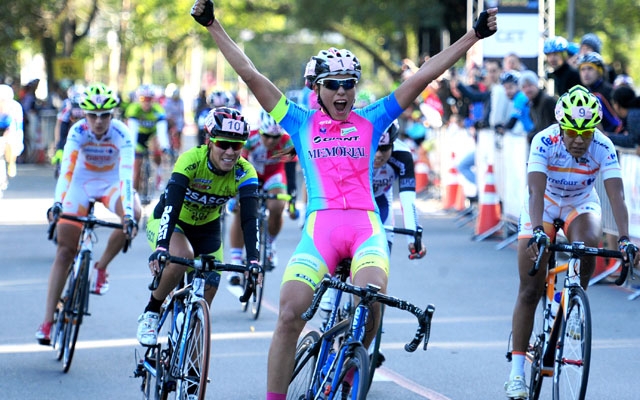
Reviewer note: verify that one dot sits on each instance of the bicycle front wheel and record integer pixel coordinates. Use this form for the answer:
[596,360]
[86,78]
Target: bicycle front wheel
[305,364]
[354,377]
[573,353]
[195,366]
[76,310]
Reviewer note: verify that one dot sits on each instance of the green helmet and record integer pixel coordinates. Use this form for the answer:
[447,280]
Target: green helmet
[99,97]
[578,108]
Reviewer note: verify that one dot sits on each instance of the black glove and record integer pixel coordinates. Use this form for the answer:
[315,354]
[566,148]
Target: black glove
[481,26]
[161,254]
[206,17]
[539,237]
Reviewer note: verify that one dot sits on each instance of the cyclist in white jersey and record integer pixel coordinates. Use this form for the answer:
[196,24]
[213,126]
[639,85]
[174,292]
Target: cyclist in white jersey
[97,162]
[564,161]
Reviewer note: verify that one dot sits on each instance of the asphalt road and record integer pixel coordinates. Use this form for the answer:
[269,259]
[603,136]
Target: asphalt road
[472,285]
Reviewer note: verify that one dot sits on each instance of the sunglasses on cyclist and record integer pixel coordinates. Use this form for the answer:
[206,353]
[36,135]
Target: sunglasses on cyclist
[574,133]
[334,84]
[225,144]
[385,147]
[101,115]
[274,137]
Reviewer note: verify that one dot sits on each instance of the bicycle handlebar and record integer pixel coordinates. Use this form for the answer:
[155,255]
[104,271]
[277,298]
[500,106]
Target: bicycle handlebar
[369,295]
[207,263]
[91,221]
[417,235]
[578,249]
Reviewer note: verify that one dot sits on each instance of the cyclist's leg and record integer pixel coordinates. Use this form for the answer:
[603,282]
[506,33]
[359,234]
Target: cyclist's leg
[583,224]
[529,292]
[236,240]
[205,239]
[306,268]
[68,236]
[275,184]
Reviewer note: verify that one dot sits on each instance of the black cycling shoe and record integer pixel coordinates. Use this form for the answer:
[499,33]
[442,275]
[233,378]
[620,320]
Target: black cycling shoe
[379,360]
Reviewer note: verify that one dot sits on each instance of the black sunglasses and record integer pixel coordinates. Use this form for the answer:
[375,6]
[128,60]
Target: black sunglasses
[334,84]
[385,147]
[275,137]
[225,144]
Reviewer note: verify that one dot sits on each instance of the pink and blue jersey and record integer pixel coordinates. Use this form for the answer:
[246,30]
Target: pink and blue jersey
[336,157]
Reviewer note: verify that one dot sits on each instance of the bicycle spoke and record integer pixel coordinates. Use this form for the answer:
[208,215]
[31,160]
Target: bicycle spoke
[574,352]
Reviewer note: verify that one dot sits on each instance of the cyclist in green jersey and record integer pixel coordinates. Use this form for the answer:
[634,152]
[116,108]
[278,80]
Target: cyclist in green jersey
[147,122]
[186,220]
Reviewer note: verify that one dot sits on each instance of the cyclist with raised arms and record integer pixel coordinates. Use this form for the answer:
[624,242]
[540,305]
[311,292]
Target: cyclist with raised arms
[336,146]
[563,163]
[186,220]
[266,150]
[96,163]
[147,121]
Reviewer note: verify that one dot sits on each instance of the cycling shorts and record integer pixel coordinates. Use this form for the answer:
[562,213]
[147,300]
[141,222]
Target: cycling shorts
[82,188]
[204,239]
[552,210]
[329,236]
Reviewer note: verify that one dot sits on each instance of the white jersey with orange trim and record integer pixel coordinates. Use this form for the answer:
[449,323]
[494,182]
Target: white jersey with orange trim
[570,179]
[87,159]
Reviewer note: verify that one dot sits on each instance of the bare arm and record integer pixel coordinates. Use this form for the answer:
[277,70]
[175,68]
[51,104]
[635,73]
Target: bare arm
[437,65]
[537,182]
[265,91]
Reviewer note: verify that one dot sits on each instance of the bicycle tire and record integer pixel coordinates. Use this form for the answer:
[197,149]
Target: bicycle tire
[152,384]
[194,371]
[353,383]
[573,353]
[76,312]
[61,317]
[305,363]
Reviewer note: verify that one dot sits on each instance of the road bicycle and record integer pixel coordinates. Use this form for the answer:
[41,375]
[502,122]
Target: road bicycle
[347,309]
[265,249]
[74,305]
[560,344]
[334,364]
[178,366]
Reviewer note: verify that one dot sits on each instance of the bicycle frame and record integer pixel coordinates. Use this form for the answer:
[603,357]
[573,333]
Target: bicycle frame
[166,365]
[76,297]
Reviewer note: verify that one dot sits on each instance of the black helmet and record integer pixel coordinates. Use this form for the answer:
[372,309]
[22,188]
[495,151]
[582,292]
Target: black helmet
[226,123]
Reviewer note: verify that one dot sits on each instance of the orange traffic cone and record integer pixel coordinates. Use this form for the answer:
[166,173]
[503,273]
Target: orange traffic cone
[421,171]
[488,221]
[452,187]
